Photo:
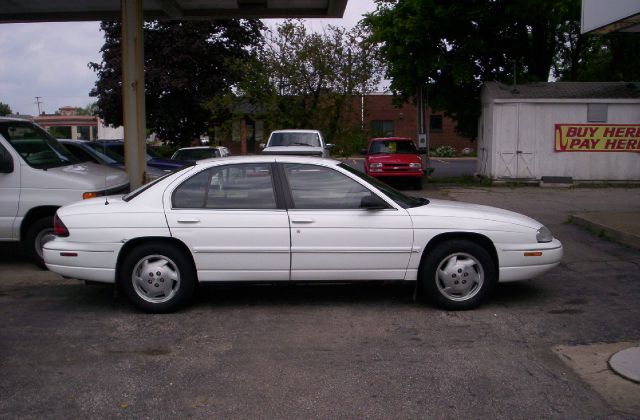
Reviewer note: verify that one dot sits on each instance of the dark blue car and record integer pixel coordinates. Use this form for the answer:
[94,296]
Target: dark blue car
[115,149]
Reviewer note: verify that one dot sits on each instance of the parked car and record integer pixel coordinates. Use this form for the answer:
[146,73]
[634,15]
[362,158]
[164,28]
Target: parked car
[37,176]
[297,142]
[287,218]
[115,149]
[86,151]
[394,157]
[191,154]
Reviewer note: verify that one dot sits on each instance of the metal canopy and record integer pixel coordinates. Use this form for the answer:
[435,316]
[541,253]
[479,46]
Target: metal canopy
[14,11]
[132,14]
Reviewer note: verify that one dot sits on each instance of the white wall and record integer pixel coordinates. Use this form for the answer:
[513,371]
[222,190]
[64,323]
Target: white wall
[529,127]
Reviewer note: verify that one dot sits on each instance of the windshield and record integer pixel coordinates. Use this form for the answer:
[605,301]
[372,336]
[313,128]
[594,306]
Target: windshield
[294,139]
[398,147]
[401,199]
[143,188]
[107,150]
[37,147]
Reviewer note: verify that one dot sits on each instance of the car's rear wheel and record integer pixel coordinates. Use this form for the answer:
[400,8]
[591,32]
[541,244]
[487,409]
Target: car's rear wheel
[38,234]
[458,275]
[157,278]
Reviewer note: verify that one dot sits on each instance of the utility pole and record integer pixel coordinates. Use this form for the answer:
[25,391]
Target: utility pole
[38,101]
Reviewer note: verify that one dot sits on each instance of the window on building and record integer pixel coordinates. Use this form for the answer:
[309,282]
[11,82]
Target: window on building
[597,113]
[435,123]
[382,128]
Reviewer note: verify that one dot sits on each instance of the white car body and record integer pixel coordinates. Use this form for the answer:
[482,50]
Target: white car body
[288,244]
[322,149]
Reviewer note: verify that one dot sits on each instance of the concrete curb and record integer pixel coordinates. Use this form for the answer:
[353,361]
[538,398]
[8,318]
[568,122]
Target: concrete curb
[620,227]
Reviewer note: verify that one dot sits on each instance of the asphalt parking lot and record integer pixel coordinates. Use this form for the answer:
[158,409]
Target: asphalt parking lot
[326,351]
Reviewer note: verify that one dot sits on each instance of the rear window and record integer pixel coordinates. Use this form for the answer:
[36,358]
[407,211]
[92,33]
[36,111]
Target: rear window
[294,139]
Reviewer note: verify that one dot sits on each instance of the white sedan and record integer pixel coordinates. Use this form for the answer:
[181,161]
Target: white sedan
[286,218]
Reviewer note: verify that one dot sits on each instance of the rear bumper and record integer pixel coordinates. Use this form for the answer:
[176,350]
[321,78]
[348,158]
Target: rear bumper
[83,261]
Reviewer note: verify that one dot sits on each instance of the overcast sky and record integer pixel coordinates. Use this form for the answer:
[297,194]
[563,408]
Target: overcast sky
[50,60]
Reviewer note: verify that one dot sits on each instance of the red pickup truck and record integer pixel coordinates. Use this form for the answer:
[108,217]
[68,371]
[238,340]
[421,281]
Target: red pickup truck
[393,157]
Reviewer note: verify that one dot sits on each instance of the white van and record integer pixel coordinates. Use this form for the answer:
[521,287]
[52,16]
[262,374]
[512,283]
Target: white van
[37,176]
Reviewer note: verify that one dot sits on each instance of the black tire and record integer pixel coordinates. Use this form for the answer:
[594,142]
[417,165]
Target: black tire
[468,275]
[36,236]
[171,293]
[417,184]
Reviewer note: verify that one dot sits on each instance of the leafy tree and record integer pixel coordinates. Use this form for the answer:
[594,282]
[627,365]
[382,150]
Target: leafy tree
[5,109]
[186,64]
[90,109]
[453,47]
[315,77]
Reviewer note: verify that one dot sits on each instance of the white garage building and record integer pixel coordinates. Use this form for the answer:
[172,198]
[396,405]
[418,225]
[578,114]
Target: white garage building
[544,131]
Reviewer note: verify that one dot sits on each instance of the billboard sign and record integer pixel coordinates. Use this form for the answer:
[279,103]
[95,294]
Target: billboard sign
[597,138]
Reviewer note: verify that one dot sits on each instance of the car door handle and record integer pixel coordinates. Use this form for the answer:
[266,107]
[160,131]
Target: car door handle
[301,220]
[188,220]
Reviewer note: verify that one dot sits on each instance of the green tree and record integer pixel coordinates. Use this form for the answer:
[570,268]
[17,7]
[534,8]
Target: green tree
[5,109]
[317,76]
[90,109]
[453,47]
[186,64]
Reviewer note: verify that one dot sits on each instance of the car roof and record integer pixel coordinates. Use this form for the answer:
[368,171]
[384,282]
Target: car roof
[197,148]
[294,131]
[271,158]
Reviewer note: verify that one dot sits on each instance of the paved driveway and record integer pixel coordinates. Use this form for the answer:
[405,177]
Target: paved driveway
[74,351]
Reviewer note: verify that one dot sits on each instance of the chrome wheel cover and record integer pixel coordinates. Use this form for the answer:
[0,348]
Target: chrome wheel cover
[459,276]
[156,278]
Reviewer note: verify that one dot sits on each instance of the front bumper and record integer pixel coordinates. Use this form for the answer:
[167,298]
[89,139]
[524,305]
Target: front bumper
[523,262]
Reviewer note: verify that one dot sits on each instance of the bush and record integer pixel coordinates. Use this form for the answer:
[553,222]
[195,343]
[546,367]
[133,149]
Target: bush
[443,151]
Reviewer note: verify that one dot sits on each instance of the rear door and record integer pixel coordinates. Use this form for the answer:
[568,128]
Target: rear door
[232,221]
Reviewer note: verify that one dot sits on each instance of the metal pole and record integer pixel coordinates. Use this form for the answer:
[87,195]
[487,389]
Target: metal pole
[423,135]
[133,106]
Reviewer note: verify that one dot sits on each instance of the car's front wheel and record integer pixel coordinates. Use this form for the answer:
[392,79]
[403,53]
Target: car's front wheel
[157,278]
[458,275]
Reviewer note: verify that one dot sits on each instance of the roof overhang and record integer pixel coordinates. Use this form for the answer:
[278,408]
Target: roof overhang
[15,11]
[601,17]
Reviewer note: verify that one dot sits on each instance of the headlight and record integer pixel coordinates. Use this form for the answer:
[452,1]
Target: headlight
[544,235]
[415,165]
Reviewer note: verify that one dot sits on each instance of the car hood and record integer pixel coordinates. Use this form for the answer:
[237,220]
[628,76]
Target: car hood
[87,176]
[393,158]
[293,150]
[456,214]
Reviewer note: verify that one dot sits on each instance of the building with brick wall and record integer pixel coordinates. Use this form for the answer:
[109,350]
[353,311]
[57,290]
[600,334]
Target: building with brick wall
[383,119]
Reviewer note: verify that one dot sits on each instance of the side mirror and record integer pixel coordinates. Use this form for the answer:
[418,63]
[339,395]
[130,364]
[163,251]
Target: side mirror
[363,151]
[262,145]
[373,202]
[329,146]
[6,163]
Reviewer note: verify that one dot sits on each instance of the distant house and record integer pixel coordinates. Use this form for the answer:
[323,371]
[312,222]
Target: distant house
[577,131]
[68,124]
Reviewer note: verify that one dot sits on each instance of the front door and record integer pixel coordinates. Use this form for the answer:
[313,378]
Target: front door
[332,238]
[233,224]
[9,196]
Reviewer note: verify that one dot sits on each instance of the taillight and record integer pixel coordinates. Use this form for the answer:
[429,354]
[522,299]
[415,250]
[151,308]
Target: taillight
[59,229]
